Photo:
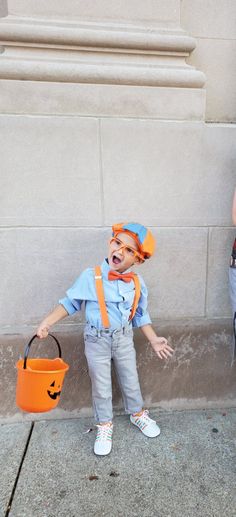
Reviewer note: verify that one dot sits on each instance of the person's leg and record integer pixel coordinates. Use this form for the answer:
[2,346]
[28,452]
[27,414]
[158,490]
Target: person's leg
[98,355]
[124,358]
[232,287]
[232,292]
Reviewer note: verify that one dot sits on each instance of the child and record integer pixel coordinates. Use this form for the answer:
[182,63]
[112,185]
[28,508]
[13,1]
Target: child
[115,302]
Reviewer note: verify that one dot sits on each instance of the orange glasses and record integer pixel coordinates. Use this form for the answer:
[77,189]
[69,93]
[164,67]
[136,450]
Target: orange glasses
[118,244]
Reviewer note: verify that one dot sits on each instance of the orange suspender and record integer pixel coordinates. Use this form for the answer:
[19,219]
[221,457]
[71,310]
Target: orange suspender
[101,297]
[136,296]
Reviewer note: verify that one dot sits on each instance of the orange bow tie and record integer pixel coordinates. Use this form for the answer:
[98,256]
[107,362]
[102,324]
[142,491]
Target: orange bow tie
[126,277]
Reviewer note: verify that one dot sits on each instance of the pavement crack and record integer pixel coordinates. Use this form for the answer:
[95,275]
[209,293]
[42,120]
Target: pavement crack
[19,471]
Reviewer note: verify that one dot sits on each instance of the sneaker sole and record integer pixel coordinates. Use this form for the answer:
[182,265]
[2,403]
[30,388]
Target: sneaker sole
[102,453]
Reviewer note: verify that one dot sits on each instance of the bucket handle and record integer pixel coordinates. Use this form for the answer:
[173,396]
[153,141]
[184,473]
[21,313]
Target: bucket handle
[29,345]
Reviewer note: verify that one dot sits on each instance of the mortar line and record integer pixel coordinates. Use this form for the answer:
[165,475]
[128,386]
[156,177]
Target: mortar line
[19,471]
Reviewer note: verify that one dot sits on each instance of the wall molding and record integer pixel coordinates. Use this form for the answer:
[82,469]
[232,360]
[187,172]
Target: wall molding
[95,53]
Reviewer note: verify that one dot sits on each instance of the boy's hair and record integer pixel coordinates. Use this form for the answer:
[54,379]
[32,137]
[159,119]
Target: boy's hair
[142,236]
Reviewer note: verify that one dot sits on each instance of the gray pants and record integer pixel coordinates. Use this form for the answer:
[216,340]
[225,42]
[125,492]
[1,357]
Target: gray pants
[100,348]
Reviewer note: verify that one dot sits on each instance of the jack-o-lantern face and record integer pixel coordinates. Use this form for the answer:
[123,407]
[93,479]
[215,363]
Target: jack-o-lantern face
[54,394]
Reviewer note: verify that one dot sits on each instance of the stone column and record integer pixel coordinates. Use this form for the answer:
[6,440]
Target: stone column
[88,62]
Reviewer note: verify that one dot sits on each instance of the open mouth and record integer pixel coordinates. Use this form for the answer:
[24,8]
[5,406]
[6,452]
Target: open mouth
[116,260]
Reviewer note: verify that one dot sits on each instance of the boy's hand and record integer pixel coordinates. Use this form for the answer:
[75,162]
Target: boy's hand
[42,331]
[161,347]
[56,315]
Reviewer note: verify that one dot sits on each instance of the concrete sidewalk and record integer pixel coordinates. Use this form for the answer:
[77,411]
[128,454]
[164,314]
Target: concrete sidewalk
[48,468]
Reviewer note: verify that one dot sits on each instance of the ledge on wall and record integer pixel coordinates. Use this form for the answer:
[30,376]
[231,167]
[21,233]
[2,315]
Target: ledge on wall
[65,53]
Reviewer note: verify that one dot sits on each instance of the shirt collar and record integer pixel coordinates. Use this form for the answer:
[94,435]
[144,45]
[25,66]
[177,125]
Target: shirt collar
[105,268]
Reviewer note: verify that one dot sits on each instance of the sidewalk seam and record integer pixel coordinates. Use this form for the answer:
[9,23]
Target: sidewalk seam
[19,471]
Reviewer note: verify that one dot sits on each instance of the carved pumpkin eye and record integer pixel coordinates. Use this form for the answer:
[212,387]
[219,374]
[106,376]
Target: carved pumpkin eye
[54,394]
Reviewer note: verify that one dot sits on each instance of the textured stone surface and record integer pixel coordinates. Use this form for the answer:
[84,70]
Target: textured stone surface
[213,24]
[169,171]
[220,246]
[153,12]
[176,274]
[51,170]
[216,58]
[102,100]
[45,262]
[65,188]
[209,19]
[200,374]
[65,52]
[3,8]
[188,470]
[13,439]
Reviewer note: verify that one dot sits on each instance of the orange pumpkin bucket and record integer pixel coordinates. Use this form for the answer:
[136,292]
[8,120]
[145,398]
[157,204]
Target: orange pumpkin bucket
[39,381]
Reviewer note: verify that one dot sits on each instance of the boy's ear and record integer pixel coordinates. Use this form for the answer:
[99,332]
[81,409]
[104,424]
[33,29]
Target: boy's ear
[137,261]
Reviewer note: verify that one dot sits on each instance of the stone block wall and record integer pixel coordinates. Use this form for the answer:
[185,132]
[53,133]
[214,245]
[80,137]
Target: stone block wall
[105,112]
[213,25]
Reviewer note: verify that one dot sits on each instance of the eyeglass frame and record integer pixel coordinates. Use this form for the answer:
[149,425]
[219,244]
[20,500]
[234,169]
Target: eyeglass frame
[127,246]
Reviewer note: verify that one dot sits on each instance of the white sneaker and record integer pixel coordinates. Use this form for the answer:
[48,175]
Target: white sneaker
[148,426]
[103,442]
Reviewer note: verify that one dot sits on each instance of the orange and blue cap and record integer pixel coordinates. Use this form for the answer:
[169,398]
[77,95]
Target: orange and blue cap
[141,234]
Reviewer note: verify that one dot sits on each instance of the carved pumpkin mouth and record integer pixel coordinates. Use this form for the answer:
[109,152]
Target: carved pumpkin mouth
[53,394]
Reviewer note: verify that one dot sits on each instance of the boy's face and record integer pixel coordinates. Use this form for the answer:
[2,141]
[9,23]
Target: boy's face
[121,252]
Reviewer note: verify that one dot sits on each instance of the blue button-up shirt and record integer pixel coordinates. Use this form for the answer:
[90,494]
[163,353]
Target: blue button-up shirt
[119,297]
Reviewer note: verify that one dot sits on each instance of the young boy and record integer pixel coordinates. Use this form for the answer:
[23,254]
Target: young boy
[115,302]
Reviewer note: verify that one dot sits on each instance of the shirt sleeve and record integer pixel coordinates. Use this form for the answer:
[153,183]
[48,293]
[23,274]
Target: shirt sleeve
[68,305]
[76,294]
[142,316]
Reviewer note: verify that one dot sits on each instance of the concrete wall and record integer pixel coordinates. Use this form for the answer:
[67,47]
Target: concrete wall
[102,119]
[213,25]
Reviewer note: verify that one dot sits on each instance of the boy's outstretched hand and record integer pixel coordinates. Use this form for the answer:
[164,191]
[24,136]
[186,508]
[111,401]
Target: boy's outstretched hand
[161,347]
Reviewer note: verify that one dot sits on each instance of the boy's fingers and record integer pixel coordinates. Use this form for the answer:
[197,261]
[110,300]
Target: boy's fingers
[164,354]
[168,353]
[42,333]
[169,348]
